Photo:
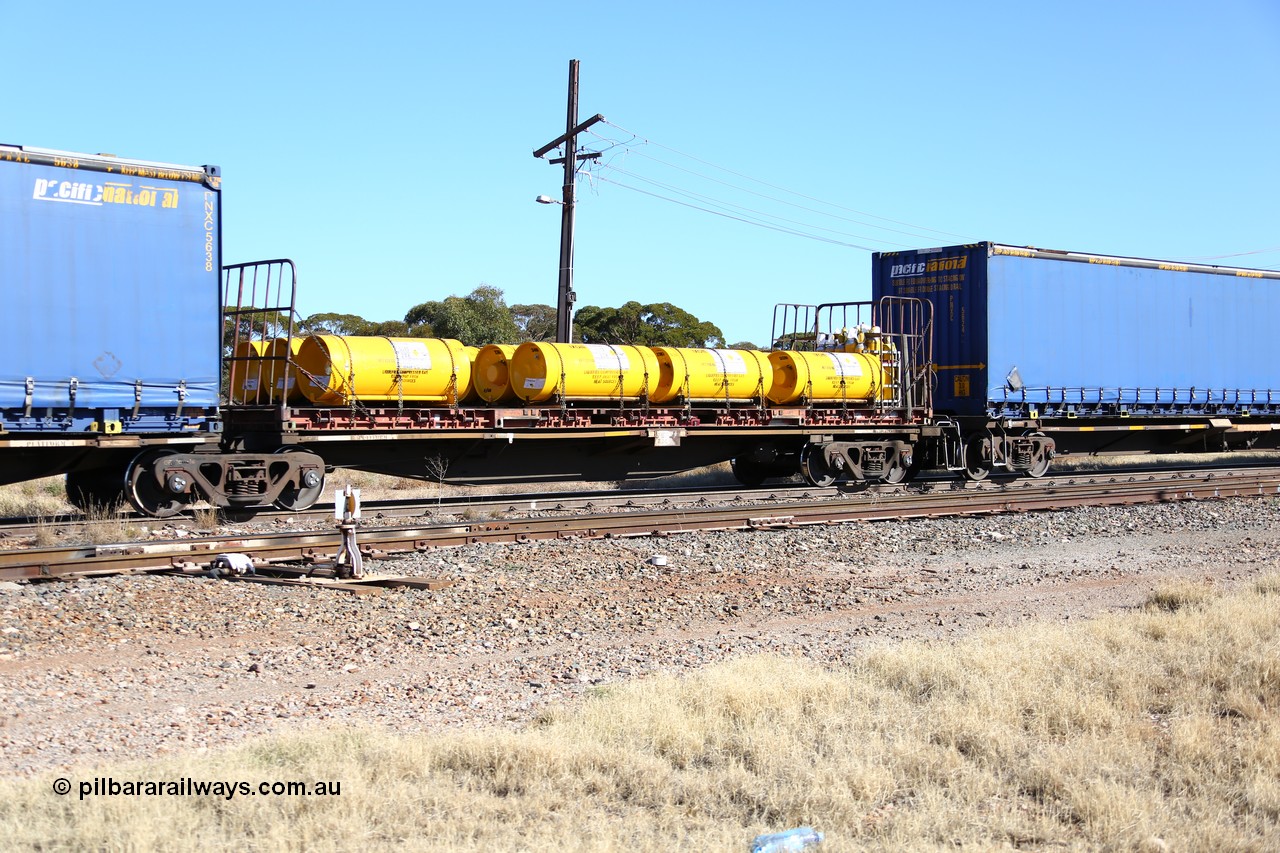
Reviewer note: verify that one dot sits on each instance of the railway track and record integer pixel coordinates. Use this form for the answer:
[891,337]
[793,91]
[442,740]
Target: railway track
[482,505]
[303,549]
[486,505]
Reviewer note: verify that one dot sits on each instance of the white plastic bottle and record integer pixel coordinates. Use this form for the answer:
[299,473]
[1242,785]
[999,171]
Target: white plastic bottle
[786,842]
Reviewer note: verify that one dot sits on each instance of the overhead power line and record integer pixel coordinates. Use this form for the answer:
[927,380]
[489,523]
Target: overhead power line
[636,137]
[1234,254]
[706,177]
[755,215]
[778,228]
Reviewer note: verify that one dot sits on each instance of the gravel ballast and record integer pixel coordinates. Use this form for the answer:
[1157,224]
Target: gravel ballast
[133,667]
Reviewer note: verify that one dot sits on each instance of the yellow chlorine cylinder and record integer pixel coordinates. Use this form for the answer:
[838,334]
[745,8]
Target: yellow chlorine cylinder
[711,374]
[334,370]
[278,372]
[249,372]
[468,394]
[824,377]
[491,373]
[544,371]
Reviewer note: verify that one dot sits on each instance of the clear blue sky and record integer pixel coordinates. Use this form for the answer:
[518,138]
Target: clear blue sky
[386,147]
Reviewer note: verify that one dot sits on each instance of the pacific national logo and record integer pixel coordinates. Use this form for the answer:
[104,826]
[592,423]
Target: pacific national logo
[108,192]
[69,191]
[957,262]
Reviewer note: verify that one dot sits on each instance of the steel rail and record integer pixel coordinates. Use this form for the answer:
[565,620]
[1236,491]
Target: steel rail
[452,504]
[1022,496]
[584,499]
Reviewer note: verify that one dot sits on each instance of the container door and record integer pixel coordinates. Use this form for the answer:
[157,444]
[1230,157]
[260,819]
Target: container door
[954,279]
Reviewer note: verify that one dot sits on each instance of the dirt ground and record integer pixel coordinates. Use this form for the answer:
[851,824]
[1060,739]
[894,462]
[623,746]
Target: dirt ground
[133,667]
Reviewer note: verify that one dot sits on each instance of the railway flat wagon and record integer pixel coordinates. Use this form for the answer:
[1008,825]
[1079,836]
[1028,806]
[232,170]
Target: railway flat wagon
[1098,353]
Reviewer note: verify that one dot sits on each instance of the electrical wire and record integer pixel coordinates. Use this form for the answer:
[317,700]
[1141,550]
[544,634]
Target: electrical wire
[598,171]
[646,141]
[725,205]
[619,149]
[780,229]
[807,208]
[1234,254]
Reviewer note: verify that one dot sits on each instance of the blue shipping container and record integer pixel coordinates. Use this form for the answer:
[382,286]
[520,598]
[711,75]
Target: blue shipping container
[111,274]
[1020,329]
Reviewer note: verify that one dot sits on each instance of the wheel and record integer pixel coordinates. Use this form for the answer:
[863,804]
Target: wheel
[1040,465]
[306,493]
[747,471]
[904,468]
[146,495]
[814,469]
[101,489]
[977,458]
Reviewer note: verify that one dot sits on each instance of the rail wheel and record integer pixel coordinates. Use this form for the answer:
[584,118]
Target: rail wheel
[308,491]
[903,470]
[147,496]
[97,490]
[1040,462]
[814,468]
[977,458]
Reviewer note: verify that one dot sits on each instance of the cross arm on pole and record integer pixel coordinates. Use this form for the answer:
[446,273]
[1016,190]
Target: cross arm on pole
[560,140]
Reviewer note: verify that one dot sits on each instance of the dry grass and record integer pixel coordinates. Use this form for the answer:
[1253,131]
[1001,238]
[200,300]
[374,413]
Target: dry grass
[205,518]
[105,525]
[35,499]
[1150,730]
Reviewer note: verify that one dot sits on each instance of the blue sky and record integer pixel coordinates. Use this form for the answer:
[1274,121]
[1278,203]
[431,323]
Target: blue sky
[386,147]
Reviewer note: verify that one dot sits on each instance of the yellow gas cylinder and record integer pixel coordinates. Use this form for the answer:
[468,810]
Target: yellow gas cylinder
[711,374]
[469,394]
[543,371]
[334,370]
[283,350]
[248,372]
[824,377]
[491,373]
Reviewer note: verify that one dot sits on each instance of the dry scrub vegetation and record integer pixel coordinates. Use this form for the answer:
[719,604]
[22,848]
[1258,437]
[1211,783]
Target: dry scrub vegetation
[1148,730]
[45,497]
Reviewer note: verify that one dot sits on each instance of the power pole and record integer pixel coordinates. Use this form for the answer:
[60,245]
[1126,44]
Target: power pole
[565,296]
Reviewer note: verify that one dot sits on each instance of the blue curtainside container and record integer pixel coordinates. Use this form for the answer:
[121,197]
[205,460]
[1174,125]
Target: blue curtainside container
[1022,330]
[111,272]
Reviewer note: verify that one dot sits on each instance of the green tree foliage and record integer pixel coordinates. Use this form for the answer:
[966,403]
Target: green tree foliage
[743,345]
[400,329]
[659,324]
[336,324]
[252,326]
[479,318]
[536,322]
[352,324]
